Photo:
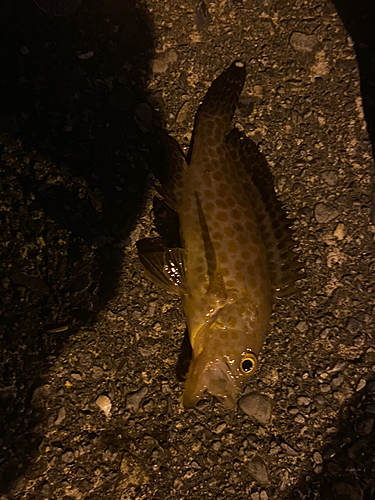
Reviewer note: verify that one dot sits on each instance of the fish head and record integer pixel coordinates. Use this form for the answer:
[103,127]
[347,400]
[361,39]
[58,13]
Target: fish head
[221,367]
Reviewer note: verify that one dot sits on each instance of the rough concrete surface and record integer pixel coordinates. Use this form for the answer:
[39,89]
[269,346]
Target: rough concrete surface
[89,394]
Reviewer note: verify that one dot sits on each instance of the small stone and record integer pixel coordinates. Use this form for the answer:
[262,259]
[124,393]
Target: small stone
[258,470]
[361,384]
[157,327]
[325,388]
[303,400]
[220,428]
[365,426]
[46,490]
[76,376]
[255,496]
[68,457]
[302,326]
[302,42]
[159,65]
[216,445]
[183,113]
[317,457]
[318,469]
[24,50]
[263,495]
[60,416]
[289,450]
[256,406]
[340,365]
[325,212]
[337,381]
[133,400]
[293,410]
[330,177]
[340,231]
[353,325]
[300,419]
[104,404]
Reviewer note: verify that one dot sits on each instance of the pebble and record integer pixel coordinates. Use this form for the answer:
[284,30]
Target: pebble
[60,416]
[325,388]
[68,457]
[325,212]
[361,384]
[134,399]
[183,113]
[263,495]
[220,428]
[302,326]
[293,410]
[337,381]
[258,470]
[364,428]
[340,231]
[104,404]
[216,445]
[330,177]
[303,400]
[255,496]
[300,419]
[161,63]
[256,406]
[289,450]
[317,457]
[302,42]
[340,365]
[353,325]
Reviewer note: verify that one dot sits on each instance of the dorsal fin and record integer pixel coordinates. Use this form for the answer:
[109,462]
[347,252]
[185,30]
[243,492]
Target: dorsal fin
[253,169]
[171,191]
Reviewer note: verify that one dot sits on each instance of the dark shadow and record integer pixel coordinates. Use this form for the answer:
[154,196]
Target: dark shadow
[80,141]
[348,468]
[359,20]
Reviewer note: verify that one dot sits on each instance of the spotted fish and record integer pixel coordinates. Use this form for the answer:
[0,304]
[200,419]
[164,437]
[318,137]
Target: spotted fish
[237,250]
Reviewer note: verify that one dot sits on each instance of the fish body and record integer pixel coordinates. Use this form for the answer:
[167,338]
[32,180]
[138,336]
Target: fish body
[235,251]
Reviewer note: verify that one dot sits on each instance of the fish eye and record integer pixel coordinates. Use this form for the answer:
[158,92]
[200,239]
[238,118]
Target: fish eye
[248,364]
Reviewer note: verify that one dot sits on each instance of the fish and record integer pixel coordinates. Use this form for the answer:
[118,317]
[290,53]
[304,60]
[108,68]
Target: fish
[237,251]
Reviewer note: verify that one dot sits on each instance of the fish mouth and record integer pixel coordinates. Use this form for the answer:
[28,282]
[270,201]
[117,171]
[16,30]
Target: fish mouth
[215,377]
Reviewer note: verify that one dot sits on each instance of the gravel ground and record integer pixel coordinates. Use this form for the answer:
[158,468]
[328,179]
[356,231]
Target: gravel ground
[91,362]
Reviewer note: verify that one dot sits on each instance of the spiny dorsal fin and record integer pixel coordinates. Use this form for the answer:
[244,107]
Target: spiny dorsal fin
[172,189]
[253,169]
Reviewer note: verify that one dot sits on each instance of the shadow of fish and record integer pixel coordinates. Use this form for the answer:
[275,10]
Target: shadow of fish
[236,254]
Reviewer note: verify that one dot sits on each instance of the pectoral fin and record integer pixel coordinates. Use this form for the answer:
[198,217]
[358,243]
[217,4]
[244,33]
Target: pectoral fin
[166,269]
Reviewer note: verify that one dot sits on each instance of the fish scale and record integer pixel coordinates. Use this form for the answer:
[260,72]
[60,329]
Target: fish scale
[236,253]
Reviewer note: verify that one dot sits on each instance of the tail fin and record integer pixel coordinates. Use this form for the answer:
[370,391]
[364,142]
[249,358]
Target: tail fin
[216,111]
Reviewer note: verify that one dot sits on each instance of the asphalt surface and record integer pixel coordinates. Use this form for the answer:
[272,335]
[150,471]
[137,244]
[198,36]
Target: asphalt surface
[91,363]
